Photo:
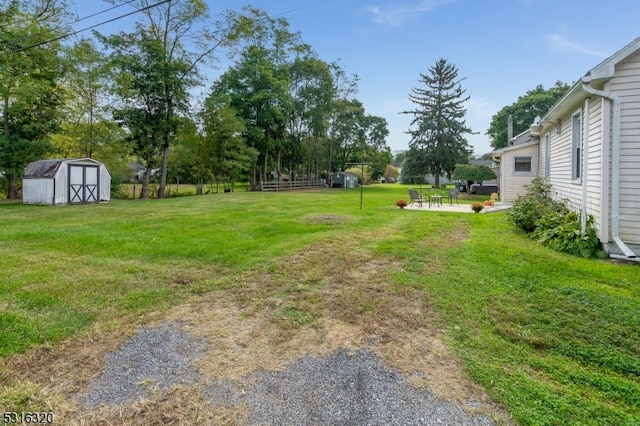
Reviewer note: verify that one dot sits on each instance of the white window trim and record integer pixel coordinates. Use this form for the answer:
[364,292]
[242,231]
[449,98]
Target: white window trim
[576,158]
[533,165]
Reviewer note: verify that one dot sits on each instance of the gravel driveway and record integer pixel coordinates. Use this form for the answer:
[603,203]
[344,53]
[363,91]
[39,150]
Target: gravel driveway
[343,388]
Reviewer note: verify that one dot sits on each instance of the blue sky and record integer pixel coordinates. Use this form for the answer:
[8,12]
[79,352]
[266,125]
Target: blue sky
[502,48]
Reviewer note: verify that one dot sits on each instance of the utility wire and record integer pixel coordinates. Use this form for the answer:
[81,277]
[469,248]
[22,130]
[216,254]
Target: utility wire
[112,20]
[85,29]
[36,36]
[104,11]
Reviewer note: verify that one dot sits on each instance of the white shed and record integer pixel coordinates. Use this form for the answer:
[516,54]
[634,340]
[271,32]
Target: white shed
[66,181]
[344,180]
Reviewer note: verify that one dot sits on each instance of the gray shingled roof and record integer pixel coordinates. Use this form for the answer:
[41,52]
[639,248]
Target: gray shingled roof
[42,168]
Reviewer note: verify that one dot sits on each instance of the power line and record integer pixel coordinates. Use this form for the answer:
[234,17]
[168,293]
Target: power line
[104,11]
[115,19]
[87,28]
[24,40]
[93,15]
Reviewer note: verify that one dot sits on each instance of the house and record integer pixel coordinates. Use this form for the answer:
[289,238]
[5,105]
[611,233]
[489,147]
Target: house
[66,181]
[344,180]
[588,148]
[138,171]
[518,166]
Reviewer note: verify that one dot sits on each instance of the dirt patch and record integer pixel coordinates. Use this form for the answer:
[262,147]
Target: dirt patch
[315,303]
[351,302]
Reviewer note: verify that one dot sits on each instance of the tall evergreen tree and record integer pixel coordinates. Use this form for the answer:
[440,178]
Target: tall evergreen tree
[438,127]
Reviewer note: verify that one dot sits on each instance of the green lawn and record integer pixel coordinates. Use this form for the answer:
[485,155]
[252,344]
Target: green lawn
[555,338]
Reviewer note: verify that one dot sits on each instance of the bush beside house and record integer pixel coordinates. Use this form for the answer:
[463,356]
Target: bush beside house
[553,224]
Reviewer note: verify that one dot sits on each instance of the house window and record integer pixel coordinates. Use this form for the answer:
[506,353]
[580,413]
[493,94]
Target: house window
[576,146]
[522,165]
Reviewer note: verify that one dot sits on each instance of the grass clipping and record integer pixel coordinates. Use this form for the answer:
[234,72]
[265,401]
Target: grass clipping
[331,296]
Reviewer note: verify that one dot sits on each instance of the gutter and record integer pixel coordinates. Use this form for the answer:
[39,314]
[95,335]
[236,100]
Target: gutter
[615,161]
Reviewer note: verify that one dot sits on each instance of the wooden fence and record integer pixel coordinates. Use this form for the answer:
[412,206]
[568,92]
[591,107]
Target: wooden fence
[288,186]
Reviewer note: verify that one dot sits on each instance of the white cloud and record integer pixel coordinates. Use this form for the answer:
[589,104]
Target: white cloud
[479,114]
[560,42]
[390,106]
[481,108]
[396,15]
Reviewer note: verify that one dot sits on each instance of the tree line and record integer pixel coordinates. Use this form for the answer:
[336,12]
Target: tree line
[278,112]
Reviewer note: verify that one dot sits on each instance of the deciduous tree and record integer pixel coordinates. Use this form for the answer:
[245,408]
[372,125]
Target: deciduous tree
[227,156]
[471,173]
[30,93]
[87,100]
[258,86]
[311,90]
[152,89]
[533,103]
[182,38]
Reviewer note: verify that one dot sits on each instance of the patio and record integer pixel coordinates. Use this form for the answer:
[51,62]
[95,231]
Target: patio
[456,208]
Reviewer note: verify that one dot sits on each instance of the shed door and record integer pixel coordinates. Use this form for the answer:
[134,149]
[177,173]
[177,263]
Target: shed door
[83,183]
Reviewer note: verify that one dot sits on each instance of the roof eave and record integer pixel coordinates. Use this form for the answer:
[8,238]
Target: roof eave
[596,77]
[499,152]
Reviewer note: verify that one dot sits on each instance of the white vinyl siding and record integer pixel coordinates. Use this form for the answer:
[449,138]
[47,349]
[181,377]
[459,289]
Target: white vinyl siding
[577,160]
[513,182]
[597,169]
[591,169]
[626,84]
[561,164]
[563,159]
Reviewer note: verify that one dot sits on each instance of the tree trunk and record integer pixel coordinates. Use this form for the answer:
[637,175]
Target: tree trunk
[279,165]
[12,193]
[254,183]
[330,165]
[265,172]
[163,168]
[199,186]
[168,130]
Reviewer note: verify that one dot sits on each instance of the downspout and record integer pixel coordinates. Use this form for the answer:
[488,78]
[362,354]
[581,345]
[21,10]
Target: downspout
[584,167]
[615,175]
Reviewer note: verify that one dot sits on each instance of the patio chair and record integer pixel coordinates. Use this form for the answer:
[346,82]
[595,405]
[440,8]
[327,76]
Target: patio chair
[453,194]
[415,197]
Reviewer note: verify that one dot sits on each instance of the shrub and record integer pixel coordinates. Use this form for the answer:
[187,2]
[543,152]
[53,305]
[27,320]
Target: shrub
[117,179]
[552,224]
[531,207]
[477,207]
[563,232]
[3,187]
